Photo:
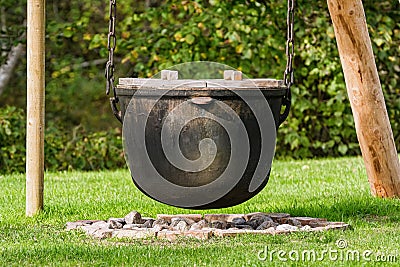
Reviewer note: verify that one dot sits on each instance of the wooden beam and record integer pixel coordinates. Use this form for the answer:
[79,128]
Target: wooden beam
[367,102]
[35,106]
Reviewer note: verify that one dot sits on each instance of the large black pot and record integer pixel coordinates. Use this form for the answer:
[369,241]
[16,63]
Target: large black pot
[139,95]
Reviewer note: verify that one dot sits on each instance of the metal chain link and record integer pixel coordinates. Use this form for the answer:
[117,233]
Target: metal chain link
[110,67]
[111,44]
[289,74]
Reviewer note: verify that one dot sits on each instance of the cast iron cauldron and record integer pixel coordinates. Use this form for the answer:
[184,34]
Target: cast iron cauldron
[143,106]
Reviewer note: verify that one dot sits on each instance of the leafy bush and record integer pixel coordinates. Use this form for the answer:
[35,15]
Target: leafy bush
[250,36]
[64,150]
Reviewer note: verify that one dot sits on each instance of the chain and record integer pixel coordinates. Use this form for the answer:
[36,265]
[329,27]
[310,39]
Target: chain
[289,75]
[111,44]
[110,67]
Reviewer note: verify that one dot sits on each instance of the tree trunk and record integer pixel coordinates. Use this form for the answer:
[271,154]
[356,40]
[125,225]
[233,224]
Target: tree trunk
[7,70]
[365,92]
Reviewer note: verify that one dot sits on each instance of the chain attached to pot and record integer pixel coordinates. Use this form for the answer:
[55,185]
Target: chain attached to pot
[288,76]
[110,67]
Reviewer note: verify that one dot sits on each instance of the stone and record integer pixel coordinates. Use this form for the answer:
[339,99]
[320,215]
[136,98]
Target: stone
[102,233]
[244,227]
[161,222]
[238,220]
[338,225]
[257,220]
[286,227]
[277,217]
[148,223]
[133,226]
[88,221]
[314,224]
[266,225]
[134,234]
[120,220]
[293,221]
[176,220]
[308,220]
[160,227]
[221,217]
[174,235]
[181,226]
[218,224]
[235,232]
[101,224]
[133,217]
[199,234]
[169,235]
[199,225]
[248,216]
[167,217]
[114,224]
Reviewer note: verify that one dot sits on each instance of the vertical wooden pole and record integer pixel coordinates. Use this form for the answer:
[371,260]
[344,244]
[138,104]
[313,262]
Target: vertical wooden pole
[35,106]
[365,92]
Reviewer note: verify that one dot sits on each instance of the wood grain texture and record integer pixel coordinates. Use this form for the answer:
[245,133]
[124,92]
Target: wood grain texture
[35,106]
[366,97]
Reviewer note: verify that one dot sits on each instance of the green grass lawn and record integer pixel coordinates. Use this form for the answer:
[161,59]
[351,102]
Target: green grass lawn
[336,189]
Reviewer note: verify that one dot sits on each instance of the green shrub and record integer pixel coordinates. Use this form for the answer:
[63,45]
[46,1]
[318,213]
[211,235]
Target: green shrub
[250,35]
[12,140]
[64,150]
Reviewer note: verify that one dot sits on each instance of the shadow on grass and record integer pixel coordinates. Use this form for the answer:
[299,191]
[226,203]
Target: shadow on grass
[364,208]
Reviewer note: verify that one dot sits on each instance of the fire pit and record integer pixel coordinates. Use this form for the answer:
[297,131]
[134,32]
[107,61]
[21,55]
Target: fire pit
[171,227]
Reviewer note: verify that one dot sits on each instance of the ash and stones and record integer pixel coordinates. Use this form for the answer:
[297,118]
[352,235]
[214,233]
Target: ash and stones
[171,227]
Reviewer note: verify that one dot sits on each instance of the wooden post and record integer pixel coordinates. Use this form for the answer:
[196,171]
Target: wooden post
[35,106]
[365,92]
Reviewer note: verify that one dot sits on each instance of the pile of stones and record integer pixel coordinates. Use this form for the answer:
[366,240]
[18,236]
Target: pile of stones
[171,227]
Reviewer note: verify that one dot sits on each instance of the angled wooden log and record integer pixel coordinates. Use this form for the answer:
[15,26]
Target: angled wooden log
[365,92]
[35,106]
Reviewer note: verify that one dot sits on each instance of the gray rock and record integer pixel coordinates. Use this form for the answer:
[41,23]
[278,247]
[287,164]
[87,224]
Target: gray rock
[238,220]
[286,227]
[102,233]
[120,220]
[199,225]
[243,227]
[176,220]
[294,222]
[160,227]
[133,217]
[181,226]
[266,225]
[257,220]
[116,223]
[133,226]
[148,223]
[218,224]
[160,222]
[101,224]
[134,234]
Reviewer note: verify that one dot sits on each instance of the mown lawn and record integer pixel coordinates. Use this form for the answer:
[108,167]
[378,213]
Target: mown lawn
[336,189]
